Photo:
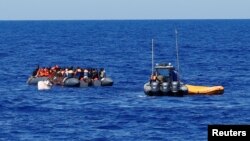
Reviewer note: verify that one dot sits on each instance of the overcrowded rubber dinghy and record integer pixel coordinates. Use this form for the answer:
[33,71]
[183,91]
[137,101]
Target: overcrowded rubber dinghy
[72,82]
[70,77]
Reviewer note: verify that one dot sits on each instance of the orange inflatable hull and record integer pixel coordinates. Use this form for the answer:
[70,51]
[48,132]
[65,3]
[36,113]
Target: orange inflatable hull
[213,90]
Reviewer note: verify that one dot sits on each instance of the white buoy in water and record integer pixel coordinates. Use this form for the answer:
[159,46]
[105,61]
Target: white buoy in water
[44,85]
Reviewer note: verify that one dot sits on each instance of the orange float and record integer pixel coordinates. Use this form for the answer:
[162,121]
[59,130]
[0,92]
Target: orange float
[205,90]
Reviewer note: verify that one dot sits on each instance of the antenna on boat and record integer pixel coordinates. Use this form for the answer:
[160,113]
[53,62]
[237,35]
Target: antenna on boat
[152,56]
[177,54]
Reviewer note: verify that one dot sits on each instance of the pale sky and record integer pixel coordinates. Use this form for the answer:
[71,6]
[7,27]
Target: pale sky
[123,9]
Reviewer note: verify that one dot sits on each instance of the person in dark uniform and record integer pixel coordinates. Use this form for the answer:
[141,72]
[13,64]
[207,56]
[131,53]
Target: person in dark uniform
[34,73]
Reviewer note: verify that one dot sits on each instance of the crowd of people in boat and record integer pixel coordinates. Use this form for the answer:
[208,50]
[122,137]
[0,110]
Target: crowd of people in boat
[69,72]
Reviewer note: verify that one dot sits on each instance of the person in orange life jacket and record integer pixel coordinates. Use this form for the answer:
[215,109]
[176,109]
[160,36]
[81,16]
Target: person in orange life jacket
[46,72]
[40,72]
[56,67]
[52,73]
[153,77]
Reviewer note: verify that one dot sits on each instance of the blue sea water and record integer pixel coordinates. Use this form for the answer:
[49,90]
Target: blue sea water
[211,52]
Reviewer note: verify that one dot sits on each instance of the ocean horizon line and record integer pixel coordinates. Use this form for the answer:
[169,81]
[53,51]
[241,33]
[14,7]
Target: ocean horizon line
[184,19]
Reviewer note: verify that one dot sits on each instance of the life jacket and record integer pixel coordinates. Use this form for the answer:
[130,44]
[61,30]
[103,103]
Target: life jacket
[38,72]
[46,72]
[153,77]
[41,73]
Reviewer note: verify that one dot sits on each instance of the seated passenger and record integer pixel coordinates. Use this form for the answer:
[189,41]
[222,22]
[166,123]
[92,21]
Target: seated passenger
[102,73]
[78,73]
[94,74]
[173,74]
[90,72]
[34,73]
[46,72]
[63,72]
[70,73]
[85,73]
[40,72]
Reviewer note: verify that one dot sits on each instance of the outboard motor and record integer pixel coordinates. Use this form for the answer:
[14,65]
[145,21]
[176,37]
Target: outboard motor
[175,86]
[165,87]
[155,87]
